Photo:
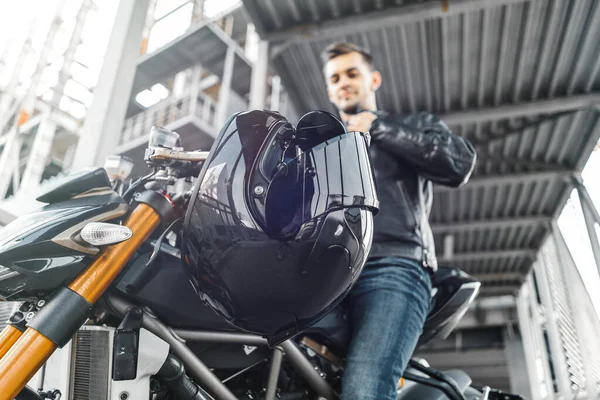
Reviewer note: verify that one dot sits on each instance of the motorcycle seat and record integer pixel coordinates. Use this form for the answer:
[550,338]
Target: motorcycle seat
[453,290]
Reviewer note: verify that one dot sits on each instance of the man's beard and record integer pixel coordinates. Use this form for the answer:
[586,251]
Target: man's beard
[352,109]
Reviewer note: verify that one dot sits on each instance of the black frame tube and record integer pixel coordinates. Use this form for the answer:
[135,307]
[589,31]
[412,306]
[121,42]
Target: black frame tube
[220,337]
[274,373]
[199,371]
[196,368]
[307,371]
[431,382]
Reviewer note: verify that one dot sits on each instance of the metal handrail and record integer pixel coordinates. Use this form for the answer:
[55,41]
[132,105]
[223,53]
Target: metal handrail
[168,111]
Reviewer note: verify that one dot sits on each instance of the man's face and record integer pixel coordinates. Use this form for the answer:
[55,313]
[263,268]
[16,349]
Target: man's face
[350,82]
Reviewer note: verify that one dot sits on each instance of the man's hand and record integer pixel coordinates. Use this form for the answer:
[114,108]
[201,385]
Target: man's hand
[361,122]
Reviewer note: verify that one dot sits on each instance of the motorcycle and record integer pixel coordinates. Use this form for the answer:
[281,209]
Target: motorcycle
[98,270]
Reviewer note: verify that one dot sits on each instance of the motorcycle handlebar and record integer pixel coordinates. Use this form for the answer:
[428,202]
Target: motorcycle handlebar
[165,154]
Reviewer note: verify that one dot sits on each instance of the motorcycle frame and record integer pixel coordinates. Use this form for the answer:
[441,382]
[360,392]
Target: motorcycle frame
[204,376]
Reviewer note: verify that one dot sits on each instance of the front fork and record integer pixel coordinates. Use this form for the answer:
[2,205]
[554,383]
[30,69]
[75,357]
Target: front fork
[23,353]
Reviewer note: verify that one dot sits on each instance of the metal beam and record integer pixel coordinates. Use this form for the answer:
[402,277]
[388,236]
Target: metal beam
[475,358]
[503,223]
[486,255]
[524,109]
[494,180]
[391,16]
[500,276]
[498,290]
[493,303]
[487,318]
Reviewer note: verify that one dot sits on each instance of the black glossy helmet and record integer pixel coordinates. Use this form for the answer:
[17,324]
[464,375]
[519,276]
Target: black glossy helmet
[281,221]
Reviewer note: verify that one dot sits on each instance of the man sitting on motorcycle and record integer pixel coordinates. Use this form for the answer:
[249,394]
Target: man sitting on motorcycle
[391,299]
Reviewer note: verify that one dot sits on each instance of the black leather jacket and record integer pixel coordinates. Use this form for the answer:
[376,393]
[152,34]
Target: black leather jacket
[408,154]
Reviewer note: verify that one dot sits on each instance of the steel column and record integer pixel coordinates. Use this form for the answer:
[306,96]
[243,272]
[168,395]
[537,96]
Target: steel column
[530,330]
[195,88]
[198,11]
[258,86]
[514,351]
[38,158]
[9,160]
[591,217]
[104,121]
[225,88]
[275,92]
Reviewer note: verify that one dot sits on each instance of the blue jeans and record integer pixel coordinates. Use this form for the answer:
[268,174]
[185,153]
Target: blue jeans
[388,307]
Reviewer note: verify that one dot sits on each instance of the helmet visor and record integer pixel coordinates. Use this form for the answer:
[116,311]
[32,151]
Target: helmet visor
[333,175]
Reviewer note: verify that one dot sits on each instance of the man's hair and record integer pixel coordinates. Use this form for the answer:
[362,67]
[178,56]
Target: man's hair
[337,49]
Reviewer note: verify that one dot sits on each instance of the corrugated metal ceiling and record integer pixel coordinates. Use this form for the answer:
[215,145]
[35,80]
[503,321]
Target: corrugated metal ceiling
[474,55]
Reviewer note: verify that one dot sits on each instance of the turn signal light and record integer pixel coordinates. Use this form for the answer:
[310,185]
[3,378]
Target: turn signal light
[102,233]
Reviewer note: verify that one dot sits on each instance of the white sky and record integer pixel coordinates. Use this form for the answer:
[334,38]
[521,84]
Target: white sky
[18,17]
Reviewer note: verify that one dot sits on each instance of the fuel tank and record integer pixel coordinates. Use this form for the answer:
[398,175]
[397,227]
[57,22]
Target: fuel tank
[169,293]
[42,251]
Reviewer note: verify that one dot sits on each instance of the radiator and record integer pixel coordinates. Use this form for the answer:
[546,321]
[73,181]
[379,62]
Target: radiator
[91,364]
[82,370]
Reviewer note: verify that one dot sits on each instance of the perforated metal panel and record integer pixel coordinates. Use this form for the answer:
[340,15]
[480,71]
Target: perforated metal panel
[592,345]
[91,365]
[565,321]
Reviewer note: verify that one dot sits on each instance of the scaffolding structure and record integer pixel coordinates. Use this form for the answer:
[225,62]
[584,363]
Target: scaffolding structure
[203,86]
[38,136]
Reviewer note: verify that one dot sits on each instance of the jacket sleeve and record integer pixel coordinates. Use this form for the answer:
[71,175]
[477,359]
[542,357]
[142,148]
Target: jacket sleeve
[425,142]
